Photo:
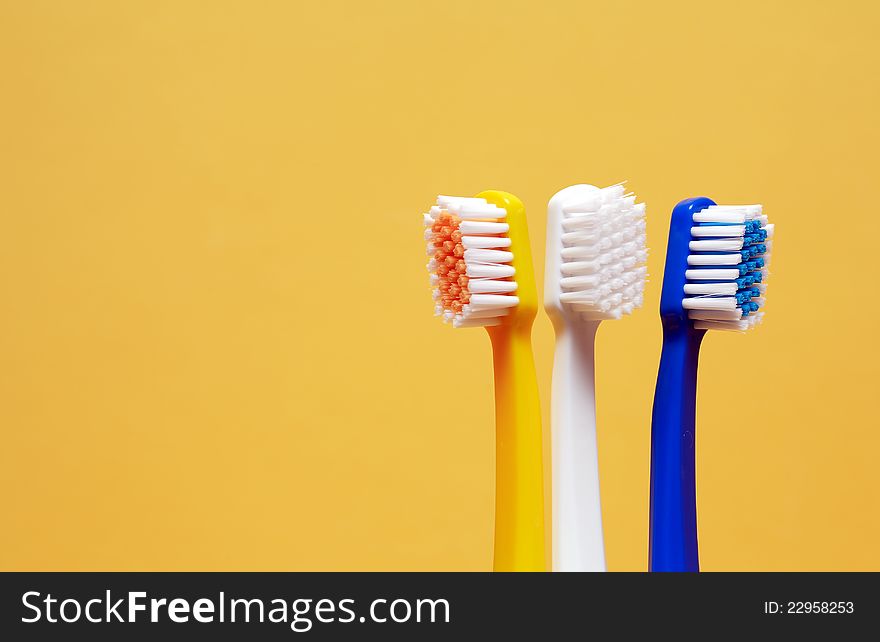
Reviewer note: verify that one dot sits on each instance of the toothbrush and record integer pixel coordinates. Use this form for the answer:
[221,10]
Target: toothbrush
[482,275]
[716,269]
[594,271]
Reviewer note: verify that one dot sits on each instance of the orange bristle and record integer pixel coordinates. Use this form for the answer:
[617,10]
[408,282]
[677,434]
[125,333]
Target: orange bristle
[450,267]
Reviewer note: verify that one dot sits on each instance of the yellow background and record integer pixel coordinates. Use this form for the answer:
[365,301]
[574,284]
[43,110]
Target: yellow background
[216,341]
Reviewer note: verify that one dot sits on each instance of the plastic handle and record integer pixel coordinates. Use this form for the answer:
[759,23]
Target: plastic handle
[673,525]
[577,512]
[519,476]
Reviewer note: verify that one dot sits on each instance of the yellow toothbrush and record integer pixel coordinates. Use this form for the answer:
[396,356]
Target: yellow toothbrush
[482,275]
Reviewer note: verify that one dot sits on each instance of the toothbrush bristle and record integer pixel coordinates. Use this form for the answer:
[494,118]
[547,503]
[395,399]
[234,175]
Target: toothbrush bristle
[470,264]
[726,277]
[603,254]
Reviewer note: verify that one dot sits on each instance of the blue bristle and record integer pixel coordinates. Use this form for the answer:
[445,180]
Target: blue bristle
[751,254]
[750,251]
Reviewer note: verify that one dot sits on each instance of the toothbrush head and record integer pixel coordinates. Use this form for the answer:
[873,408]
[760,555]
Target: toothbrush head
[716,266]
[595,254]
[480,265]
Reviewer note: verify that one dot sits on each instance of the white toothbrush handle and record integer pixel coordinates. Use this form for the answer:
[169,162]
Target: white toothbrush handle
[577,513]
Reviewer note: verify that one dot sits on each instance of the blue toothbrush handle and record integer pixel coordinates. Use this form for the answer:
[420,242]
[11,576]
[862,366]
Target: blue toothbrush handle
[673,526]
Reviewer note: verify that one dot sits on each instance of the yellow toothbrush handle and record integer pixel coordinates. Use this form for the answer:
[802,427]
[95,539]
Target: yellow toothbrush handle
[519,477]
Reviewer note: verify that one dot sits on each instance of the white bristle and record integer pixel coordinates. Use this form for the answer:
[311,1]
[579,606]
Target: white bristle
[474,228]
[595,252]
[718,297]
[583,252]
[467,208]
[486,301]
[478,212]
[580,282]
[717,245]
[597,300]
[714,259]
[716,216]
[485,250]
[726,289]
[612,194]
[570,239]
[575,268]
[738,326]
[487,256]
[581,222]
[736,214]
[718,231]
[709,303]
[708,274]
[490,271]
[491,286]
[484,242]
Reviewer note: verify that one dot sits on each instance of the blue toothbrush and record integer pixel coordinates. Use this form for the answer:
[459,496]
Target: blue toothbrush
[715,278]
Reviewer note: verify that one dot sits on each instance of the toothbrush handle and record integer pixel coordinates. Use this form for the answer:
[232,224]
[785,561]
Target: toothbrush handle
[673,524]
[577,512]
[519,477]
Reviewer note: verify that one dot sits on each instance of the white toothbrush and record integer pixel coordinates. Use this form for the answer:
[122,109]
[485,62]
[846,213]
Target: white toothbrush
[595,271]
